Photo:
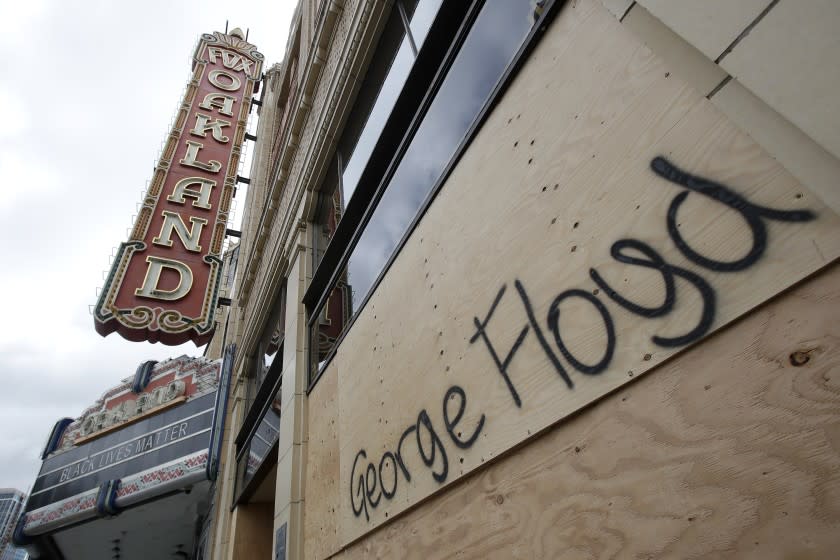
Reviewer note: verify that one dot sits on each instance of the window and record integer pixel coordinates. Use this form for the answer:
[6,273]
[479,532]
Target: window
[385,77]
[256,443]
[270,349]
[395,55]
[412,21]
[475,72]
[231,258]
[260,445]
[400,160]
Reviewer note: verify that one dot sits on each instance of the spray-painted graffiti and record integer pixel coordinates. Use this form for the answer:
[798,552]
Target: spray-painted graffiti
[372,483]
[646,256]
[371,480]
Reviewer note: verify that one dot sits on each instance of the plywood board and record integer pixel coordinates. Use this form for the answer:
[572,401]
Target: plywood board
[710,25]
[321,521]
[729,451]
[680,57]
[560,176]
[790,61]
[806,160]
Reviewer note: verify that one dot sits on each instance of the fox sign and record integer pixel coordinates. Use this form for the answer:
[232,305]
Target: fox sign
[164,283]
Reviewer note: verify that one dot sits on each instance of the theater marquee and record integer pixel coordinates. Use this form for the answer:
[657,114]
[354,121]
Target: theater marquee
[164,283]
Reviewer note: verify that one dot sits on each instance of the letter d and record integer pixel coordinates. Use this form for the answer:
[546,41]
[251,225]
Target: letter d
[150,283]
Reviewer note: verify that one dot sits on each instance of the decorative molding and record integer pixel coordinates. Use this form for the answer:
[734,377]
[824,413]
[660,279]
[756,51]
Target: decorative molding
[142,416]
[73,509]
[142,486]
[161,479]
[231,42]
[170,383]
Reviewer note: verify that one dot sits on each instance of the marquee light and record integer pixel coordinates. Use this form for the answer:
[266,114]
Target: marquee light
[164,283]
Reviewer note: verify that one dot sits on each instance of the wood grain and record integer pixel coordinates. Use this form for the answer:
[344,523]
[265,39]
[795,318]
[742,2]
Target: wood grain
[320,530]
[559,172]
[727,451]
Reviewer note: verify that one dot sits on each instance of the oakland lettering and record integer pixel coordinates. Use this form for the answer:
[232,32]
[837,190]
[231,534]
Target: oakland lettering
[164,282]
[183,221]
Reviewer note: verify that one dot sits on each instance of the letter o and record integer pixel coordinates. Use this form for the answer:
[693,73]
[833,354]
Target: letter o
[388,493]
[235,83]
[554,326]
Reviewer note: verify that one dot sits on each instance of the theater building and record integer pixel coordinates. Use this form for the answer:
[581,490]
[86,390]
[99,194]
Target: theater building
[516,279]
[534,280]
[132,477]
[540,280]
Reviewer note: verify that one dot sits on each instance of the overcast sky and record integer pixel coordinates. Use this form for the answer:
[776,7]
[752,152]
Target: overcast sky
[87,91]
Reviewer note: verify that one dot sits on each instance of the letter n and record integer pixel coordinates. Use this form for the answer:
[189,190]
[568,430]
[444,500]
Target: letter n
[172,222]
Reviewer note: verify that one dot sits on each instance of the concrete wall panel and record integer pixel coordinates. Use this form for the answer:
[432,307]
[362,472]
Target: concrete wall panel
[709,25]
[790,60]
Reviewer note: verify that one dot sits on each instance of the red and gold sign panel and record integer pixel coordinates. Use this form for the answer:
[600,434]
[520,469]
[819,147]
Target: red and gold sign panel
[164,283]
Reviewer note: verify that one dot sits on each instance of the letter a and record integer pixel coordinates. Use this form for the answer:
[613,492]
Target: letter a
[222,102]
[201,195]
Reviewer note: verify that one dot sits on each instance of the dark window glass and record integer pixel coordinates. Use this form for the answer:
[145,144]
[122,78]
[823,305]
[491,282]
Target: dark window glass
[489,48]
[270,347]
[385,78]
[487,51]
[376,120]
[419,23]
[255,450]
[332,318]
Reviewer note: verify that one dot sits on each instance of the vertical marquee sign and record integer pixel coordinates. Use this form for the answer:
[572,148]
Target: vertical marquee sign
[164,283]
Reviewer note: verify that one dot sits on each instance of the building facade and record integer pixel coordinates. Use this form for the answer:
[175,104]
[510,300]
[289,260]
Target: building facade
[539,280]
[133,476]
[11,504]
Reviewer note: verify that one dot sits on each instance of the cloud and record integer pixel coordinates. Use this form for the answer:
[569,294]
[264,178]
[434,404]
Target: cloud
[15,117]
[87,91]
[20,22]
[30,180]
[43,384]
